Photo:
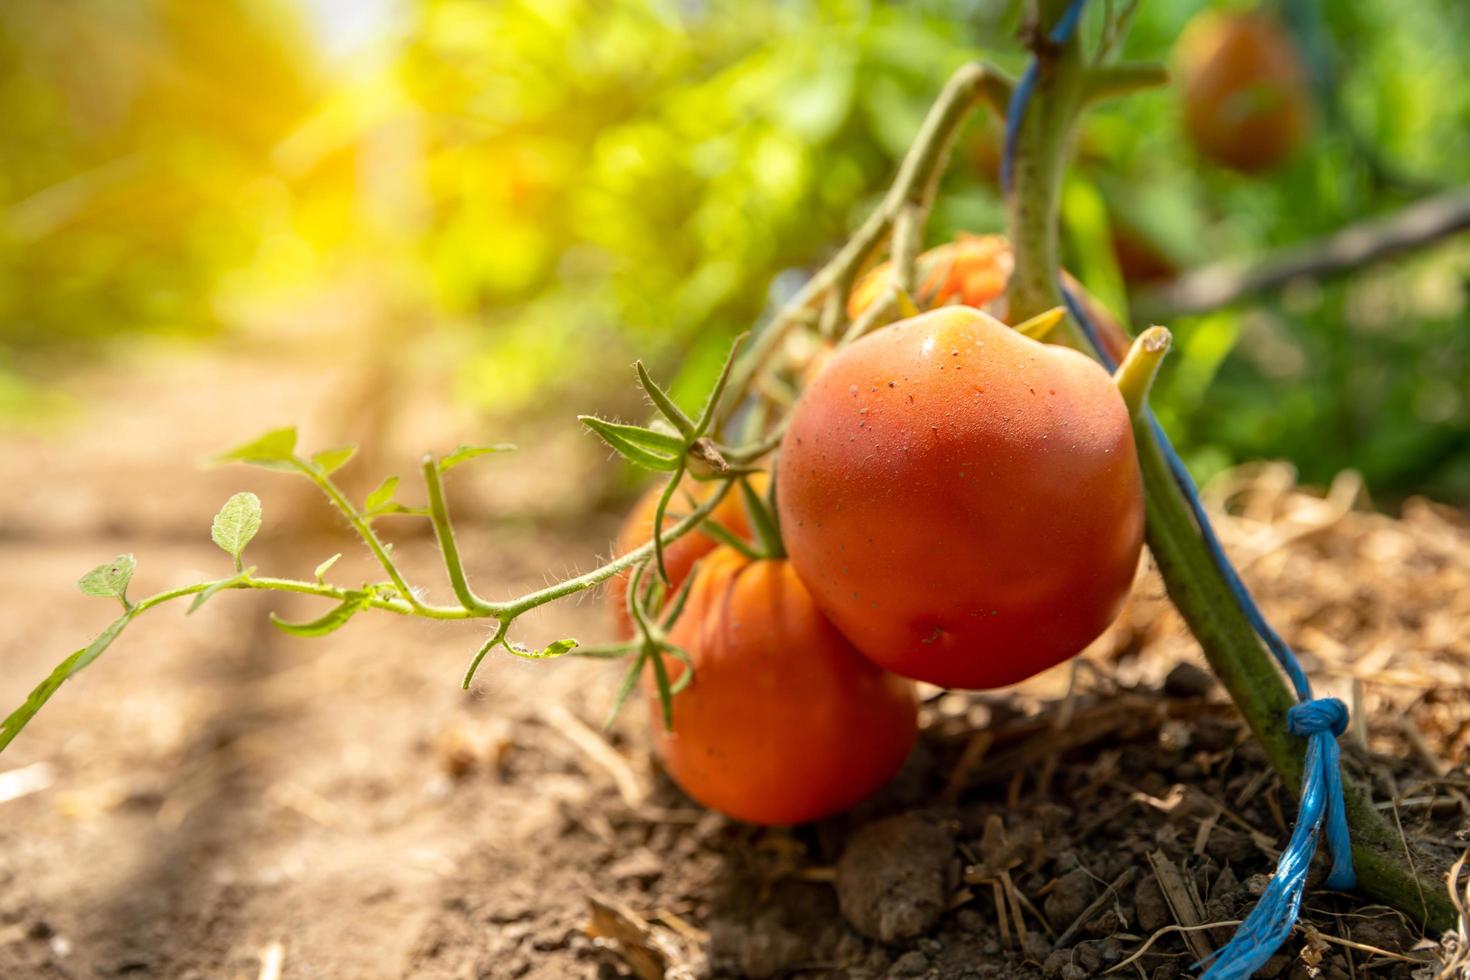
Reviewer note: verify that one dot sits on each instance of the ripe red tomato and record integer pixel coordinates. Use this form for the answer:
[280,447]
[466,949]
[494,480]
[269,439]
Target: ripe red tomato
[964,503]
[784,721]
[1246,104]
[680,555]
[973,270]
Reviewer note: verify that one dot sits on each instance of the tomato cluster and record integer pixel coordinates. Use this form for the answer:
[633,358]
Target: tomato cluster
[960,505]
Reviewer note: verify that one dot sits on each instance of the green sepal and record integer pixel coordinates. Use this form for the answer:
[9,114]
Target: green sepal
[665,405]
[648,448]
[707,416]
[625,688]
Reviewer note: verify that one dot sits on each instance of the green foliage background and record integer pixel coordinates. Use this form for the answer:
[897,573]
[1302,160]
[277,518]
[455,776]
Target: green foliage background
[575,183]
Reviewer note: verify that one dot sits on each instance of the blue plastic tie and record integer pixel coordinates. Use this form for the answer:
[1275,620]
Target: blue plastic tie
[1318,720]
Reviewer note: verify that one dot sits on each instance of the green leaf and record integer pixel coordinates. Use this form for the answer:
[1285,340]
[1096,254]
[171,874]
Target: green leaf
[381,496]
[103,641]
[220,586]
[236,523]
[557,649]
[326,566]
[647,448]
[109,581]
[466,453]
[335,618]
[663,402]
[332,460]
[275,450]
[42,692]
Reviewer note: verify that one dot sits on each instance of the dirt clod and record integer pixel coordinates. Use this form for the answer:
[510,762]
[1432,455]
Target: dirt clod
[893,879]
[910,964]
[1070,897]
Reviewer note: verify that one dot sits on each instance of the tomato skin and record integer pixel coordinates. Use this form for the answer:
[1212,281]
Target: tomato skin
[1246,104]
[784,721]
[964,503]
[679,555]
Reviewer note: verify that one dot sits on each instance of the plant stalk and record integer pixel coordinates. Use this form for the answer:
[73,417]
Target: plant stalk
[1194,584]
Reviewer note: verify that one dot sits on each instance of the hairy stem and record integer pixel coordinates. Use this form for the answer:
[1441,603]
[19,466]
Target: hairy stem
[914,184]
[444,531]
[362,527]
[571,586]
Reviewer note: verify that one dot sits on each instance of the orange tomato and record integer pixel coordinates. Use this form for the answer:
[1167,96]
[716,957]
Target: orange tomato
[783,721]
[973,270]
[964,503]
[1246,104]
[680,555]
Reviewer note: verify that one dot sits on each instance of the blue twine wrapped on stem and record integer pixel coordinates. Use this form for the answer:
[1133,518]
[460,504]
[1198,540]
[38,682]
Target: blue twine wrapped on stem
[1319,720]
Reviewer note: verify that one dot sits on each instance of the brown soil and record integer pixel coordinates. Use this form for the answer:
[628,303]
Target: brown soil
[215,798]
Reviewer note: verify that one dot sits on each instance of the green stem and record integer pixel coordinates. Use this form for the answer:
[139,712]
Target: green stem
[362,527]
[1194,584]
[1042,149]
[439,515]
[505,611]
[913,185]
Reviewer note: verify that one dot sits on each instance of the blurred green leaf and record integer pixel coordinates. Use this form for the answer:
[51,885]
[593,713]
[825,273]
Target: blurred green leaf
[237,522]
[109,580]
[274,450]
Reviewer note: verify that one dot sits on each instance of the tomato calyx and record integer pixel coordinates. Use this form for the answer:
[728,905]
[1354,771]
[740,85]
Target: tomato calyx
[651,643]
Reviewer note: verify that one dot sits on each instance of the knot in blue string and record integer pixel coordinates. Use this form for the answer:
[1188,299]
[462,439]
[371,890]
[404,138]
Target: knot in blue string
[1317,715]
[1318,720]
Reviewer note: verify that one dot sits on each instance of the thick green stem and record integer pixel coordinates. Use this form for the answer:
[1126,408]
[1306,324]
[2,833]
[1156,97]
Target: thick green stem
[1194,584]
[1040,161]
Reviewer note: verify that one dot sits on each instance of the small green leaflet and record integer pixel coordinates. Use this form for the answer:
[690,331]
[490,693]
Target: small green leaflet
[464,454]
[648,448]
[109,581]
[103,641]
[275,450]
[324,567]
[332,460]
[381,497]
[220,586]
[236,523]
[335,619]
